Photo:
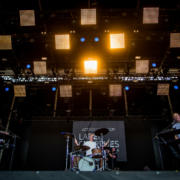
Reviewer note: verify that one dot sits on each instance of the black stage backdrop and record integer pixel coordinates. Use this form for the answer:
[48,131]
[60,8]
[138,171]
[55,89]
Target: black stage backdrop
[42,147]
[116,135]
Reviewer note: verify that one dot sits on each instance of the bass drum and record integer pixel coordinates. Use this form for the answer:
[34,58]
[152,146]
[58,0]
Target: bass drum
[86,164]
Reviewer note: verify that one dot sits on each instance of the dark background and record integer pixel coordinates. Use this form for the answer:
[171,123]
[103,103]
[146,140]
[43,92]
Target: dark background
[42,147]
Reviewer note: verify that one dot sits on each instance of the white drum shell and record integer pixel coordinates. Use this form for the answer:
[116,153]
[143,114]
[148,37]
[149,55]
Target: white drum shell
[84,165]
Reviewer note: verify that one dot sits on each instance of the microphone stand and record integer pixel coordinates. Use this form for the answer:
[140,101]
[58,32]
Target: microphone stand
[88,130]
[14,136]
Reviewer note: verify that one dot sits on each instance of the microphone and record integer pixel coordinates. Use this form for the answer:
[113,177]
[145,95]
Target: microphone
[174,122]
[90,163]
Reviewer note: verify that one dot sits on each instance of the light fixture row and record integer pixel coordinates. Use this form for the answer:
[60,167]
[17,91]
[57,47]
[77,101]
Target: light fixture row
[115,90]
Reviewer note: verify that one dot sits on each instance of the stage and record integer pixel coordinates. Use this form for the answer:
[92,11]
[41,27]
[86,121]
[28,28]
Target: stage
[56,175]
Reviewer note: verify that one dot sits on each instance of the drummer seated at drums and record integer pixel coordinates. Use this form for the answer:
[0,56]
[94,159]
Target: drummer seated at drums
[92,145]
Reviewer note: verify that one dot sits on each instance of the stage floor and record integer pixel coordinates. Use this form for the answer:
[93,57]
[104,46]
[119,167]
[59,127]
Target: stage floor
[66,175]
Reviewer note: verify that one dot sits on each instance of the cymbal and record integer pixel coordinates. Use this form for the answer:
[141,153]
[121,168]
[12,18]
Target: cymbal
[106,148]
[66,134]
[81,148]
[102,131]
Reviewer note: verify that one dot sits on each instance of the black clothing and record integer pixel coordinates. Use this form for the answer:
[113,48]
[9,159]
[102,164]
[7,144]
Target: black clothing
[112,161]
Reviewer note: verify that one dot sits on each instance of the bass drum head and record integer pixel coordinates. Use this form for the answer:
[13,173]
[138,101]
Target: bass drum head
[84,164]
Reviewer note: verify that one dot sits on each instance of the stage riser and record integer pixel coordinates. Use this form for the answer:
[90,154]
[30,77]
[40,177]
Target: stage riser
[58,175]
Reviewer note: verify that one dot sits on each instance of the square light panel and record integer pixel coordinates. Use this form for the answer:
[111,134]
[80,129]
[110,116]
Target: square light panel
[5,42]
[174,40]
[117,41]
[27,17]
[142,66]
[150,15]
[88,16]
[62,41]
[19,91]
[40,67]
[90,67]
[163,89]
[65,91]
[115,90]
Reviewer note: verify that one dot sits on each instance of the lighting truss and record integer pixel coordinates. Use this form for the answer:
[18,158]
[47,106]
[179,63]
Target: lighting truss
[43,79]
[150,15]
[5,42]
[27,17]
[88,16]
[62,41]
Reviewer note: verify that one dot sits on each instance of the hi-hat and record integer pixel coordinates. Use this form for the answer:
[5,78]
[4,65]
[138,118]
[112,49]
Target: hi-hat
[81,148]
[100,132]
[66,134]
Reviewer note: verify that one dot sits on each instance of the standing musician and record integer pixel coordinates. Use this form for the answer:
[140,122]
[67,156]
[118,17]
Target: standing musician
[176,116]
[112,157]
[176,125]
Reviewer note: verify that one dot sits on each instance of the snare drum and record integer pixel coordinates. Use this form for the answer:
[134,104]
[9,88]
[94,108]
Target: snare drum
[75,160]
[96,153]
[86,164]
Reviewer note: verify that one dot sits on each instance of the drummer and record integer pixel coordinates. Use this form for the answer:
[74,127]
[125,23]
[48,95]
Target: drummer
[90,144]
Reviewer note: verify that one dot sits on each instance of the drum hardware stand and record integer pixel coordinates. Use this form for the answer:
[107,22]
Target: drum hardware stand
[102,151]
[72,168]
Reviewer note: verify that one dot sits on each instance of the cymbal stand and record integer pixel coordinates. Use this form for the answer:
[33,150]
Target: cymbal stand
[102,151]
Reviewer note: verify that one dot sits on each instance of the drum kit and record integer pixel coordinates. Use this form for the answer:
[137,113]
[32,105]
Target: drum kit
[86,163]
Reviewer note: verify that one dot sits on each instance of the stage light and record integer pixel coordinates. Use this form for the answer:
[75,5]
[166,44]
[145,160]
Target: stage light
[176,87]
[28,66]
[115,90]
[40,67]
[53,89]
[62,41]
[103,91]
[96,39]
[78,91]
[142,66]
[4,59]
[174,40]
[150,15]
[163,89]
[66,70]
[6,89]
[82,39]
[65,91]
[115,70]
[90,67]
[117,41]
[88,16]
[19,91]
[5,42]
[27,18]
[126,88]
[153,64]
[137,57]
[44,58]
